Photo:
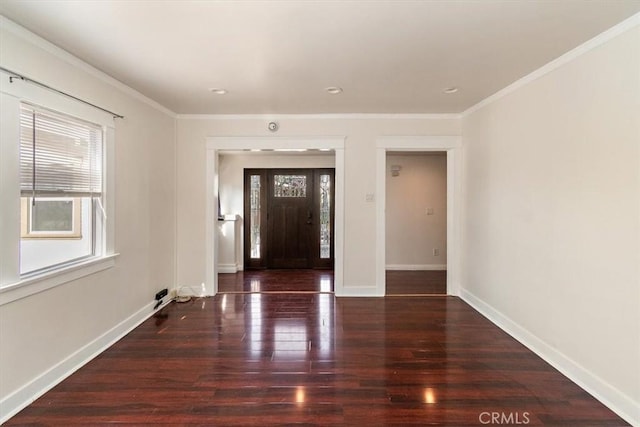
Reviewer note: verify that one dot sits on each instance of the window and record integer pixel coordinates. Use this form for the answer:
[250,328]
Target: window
[325,216]
[51,218]
[61,171]
[290,186]
[255,216]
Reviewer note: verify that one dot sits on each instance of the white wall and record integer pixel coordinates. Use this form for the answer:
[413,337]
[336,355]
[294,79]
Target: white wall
[232,167]
[552,218]
[360,179]
[40,334]
[411,234]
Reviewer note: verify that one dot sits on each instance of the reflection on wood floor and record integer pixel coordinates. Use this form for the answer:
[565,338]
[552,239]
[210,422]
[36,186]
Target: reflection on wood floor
[313,359]
[266,281]
[416,282]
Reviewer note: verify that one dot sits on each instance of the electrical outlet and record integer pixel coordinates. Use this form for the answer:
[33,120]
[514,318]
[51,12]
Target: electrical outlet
[429,211]
[163,293]
[436,252]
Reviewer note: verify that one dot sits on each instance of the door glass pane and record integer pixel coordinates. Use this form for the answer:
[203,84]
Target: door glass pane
[325,216]
[255,216]
[290,186]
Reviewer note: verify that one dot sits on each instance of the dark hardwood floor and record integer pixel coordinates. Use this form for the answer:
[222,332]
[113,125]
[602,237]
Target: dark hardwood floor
[276,281]
[311,359]
[265,281]
[416,282]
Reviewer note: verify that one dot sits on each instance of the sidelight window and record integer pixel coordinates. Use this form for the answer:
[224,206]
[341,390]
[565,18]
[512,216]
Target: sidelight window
[325,216]
[255,216]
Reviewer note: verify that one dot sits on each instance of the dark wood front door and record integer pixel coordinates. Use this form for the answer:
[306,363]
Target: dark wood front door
[288,218]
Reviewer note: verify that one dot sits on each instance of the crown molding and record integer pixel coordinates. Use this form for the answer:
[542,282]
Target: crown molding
[589,45]
[324,116]
[67,57]
[598,40]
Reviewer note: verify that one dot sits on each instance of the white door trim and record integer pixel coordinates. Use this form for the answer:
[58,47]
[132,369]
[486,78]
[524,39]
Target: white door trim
[453,147]
[215,144]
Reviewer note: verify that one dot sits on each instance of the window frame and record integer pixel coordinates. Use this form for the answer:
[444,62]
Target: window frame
[14,286]
[26,220]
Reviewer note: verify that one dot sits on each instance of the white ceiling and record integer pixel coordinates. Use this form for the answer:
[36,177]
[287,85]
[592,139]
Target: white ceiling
[279,56]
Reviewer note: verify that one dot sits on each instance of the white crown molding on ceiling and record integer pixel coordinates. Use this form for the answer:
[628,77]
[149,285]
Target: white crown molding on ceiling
[71,59]
[598,40]
[67,57]
[325,116]
[585,47]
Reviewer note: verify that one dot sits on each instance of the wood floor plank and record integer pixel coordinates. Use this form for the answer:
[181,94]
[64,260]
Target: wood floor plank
[400,282]
[312,359]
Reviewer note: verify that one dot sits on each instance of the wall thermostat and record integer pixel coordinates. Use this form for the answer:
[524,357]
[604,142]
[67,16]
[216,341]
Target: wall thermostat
[273,126]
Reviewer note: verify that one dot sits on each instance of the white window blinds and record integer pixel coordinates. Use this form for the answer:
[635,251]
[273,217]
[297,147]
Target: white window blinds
[59,155]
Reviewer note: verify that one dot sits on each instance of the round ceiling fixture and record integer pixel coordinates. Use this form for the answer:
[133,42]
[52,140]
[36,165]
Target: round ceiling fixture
[451,89]
[334,90]
[218,91]
[273,126]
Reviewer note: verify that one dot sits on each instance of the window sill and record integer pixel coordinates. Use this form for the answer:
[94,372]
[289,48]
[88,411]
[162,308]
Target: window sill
[42,282]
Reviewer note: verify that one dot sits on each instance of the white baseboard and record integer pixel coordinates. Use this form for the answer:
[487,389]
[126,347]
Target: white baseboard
[24,396]
[416,267]
[614,399]
[228,268]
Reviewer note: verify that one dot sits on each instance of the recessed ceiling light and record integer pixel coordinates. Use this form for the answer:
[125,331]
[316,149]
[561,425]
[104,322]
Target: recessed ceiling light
[334,90]
[218,91]
[451,89]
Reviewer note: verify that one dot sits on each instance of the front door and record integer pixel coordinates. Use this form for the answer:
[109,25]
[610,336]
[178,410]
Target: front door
[288,218]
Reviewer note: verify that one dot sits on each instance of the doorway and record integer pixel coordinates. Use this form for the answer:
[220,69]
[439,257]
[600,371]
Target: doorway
[289,218]
[260,145]
[416,223]
[407,144]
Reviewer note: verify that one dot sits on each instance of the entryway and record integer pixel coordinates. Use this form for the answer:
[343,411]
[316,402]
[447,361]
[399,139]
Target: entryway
[227,157]
[288,218]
